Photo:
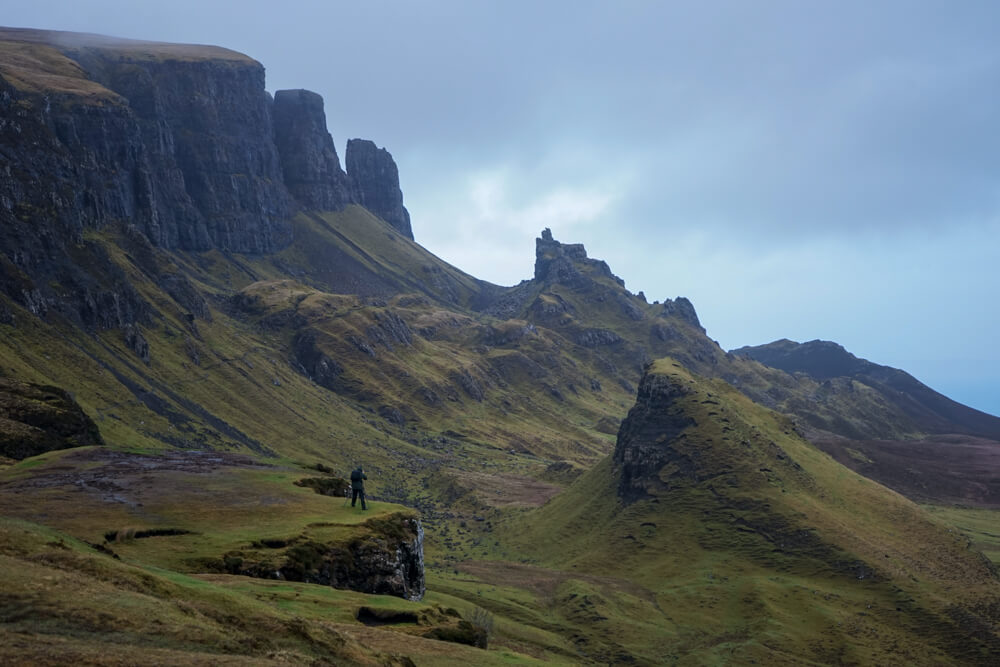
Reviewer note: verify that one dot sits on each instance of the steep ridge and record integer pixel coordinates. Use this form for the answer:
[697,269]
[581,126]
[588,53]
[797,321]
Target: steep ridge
[828,362]
[955,458]
[752,545]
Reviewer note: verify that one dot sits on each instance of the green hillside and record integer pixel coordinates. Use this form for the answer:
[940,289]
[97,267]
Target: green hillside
[475,420]
[577,475]
[752,545]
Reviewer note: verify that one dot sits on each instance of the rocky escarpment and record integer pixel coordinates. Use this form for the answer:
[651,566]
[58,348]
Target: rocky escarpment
[646,437]
[376,183]
[309,159]
[387,559]
[36,419]
[179,144]
[563,262]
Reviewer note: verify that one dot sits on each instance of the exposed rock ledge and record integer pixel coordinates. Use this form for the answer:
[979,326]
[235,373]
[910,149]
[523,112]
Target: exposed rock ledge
[385,559]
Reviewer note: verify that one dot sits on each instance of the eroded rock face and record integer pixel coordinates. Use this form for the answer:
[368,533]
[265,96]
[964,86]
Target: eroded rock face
[308,156]
[644,439]
[179,145]
[309,358]
[375,179]
[389,560]
[35,419]
[206,132]
[683,308]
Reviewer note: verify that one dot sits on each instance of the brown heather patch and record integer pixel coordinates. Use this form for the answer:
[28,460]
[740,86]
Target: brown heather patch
[507,490]
[543,582]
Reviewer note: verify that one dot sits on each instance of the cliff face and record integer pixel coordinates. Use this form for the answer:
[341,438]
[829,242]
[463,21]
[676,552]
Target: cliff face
[376,183]
[308,157]
[206,131]
[388,560]
[179,147]
[179,144]
[646,439]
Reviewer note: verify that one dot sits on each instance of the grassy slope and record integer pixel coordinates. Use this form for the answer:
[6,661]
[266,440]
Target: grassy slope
[714,570]
[981,526]
[458,460]
[63,602]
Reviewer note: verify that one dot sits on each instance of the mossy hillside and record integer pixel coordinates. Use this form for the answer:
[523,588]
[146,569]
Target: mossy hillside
[225,274]
[60,595]
[397,258]
[434,371]
[63,600]
[239,509]
[227,399]
[223,502]
[807,559]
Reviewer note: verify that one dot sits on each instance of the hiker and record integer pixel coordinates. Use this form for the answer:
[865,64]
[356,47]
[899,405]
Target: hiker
[358,478]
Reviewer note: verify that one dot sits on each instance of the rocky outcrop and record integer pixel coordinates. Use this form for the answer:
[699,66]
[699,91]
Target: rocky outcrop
[314,363]
[178,144]
[567,263]
[387,559]
[375,179]
[597,338]
[35,419]
[682,308]
[309,159]
[645,438]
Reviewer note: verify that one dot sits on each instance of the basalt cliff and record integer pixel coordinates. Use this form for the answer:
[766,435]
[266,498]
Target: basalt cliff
[182,146]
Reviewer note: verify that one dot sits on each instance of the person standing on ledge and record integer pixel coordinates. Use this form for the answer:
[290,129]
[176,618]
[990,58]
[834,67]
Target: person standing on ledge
[358,478]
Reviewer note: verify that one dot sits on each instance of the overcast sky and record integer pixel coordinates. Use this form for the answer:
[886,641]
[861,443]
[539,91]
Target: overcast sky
[797,169]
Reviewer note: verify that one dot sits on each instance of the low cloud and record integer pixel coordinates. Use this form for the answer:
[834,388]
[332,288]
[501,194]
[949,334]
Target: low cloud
[487,223]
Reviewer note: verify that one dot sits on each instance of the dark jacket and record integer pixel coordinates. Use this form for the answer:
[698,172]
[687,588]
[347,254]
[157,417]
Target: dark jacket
[358,478]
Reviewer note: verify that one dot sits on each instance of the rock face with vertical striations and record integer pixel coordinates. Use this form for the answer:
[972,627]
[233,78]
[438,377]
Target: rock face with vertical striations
[309,159]
[205,130]
[376,183]
[646,437]
[177,146]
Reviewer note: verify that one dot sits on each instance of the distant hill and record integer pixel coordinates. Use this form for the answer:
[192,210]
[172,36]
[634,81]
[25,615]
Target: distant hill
[826,361]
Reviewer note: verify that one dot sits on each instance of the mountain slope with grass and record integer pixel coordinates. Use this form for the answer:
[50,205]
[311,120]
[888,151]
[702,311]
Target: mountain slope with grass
[739,541]
[205,323]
